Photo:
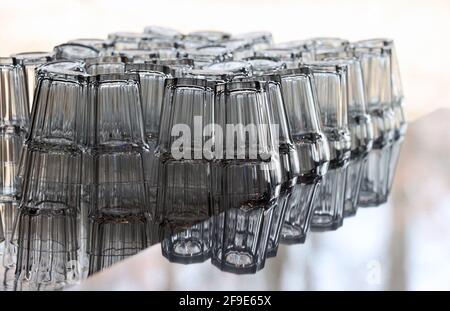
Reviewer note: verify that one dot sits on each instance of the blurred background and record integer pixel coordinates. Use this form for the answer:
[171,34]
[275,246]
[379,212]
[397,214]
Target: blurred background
[402,245]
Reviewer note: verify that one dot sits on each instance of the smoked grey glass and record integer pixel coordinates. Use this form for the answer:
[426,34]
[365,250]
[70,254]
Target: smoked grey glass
[238,68]
[185,173]
[180,66]
[152,79]
[60,99]
[240,239]
[75,51]
[292,58]
[246,171]
[264,65]
[258,39]
[164,32]
[116,184]
[30,61]
[47,249]
[52,179]
[10,153]
[188,245]
[396,100]
[14,109]
[301,103]
[289,161]
[136,55]
[361,131]
[208,35]
[331,83]
[104,46]
[327,42]
[127,40]
[105,65]
[113,239]
[245,187]
[115,119]
[299,212]
[209,54]
[239,48]
[375,64]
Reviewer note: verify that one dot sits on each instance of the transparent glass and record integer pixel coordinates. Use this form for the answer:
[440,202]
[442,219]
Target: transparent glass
[75,51]
[31,61]
[188,245]
[240,239]
[14,108]
[47,249]
[299,211]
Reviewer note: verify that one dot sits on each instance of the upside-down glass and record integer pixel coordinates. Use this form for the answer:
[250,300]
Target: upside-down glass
[127,40]
[208,54]
[292,58]
[240,238]
[114,119]
[376,69]
[61,97]
[14,110]
[163,32]
[152,79]
[187,245]
[261,65]
[396,99]
[10,153]
[246,175]
[331,83]
[258,39]
[361,131]
[75,51]
[180,65]
[47,242]
[30,61]
[105,65]
[208,35]
[113,239]
[238,68]
[300,98]
[185,182]
[289,161]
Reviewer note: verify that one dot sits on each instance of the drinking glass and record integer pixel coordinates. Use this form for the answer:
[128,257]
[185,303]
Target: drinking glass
[163,32]
[181,66]
[331,83]
[240,239]
[127,40]
[205,55]
[261,65]
[301,103]
[259,40]
[60,99]
[185,171]
[105,65]
[10,153]
[75,51]
[30,61]
[114,238]
[14,110]
[376,64]
[47,248]
[189,244]
[208,35]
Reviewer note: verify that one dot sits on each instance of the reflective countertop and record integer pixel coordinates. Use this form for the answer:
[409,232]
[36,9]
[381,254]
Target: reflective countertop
[401,245]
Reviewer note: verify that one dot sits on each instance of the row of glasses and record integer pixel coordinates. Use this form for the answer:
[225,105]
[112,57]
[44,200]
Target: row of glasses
[108,105]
